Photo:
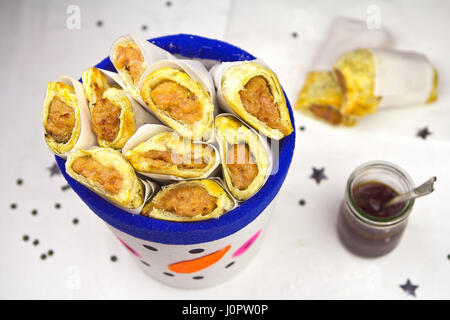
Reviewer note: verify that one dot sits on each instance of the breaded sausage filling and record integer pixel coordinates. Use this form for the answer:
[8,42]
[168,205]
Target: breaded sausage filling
[158,159]
[131,59]
[241,166]
[327,113]
[187,201]
[180,103]
[109,178]
[257,99]
[106,120]
[60,121]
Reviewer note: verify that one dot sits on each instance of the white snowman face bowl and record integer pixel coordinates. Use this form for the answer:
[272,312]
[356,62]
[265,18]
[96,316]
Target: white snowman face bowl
[203,253]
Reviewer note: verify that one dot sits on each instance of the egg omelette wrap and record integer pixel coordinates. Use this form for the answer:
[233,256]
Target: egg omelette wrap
[179,100]
[245,159]
[170,154]
[66,117]
[131,56]
[253,92]
[369,76]
[189,200]
[321,98]
[106,172]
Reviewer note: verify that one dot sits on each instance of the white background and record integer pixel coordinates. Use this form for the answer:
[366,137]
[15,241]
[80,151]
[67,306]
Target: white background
[302,257]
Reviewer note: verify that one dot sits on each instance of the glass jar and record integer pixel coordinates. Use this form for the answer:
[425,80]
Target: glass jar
[366,235]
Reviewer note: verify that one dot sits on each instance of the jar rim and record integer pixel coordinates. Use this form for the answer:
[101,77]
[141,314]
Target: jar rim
[360,214]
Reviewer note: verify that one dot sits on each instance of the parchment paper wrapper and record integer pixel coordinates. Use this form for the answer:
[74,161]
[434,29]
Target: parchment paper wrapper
[225,187]
[402,78]
[149,130]
[150,52]
[87,138]
[150,189]
[196,71]
[346,34]
[268,152]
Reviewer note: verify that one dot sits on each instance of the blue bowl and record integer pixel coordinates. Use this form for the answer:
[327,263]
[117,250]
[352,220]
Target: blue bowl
[178,233]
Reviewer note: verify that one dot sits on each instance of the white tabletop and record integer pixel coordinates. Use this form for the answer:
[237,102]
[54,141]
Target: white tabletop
[301,257]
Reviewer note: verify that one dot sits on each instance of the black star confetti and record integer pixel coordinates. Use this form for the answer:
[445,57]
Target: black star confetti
[423,133]
[318,175]
[54,170]
[409,288]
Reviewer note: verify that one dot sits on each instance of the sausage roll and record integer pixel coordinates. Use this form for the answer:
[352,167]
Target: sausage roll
[245,159]
[189,200]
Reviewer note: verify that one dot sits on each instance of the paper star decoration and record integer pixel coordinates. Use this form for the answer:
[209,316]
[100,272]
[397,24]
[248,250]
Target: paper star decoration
[424,133]
[318,175]
[409,288]
[54,170]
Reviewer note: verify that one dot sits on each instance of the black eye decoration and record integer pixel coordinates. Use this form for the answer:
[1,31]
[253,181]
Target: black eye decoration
[145,263]
[150,247]
[195,251]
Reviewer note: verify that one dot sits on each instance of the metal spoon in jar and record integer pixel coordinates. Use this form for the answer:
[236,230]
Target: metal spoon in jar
[426,188]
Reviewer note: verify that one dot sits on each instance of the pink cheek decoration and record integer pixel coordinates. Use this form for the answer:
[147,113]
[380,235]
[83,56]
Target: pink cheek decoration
[129,248]
[246,245]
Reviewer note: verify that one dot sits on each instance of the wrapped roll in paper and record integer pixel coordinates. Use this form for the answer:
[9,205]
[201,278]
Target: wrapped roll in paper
[106,172]
[115,115]
[66,117]
[131,56]
[321,98]
[246,162]
[252,91]
[189,200]
[372,79]
[181,94]
[158,152]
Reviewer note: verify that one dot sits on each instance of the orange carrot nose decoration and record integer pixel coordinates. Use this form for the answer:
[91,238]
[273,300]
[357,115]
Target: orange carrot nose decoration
[199,263]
